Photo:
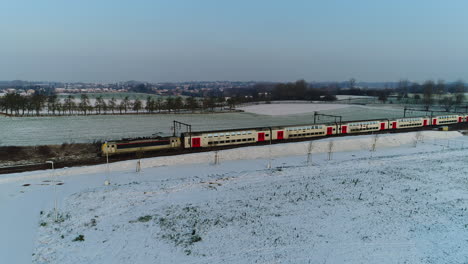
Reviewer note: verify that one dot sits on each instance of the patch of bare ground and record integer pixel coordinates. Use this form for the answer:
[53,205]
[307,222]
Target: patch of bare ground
[26,155]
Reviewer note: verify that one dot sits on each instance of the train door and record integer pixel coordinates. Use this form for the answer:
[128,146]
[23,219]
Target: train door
[382,126]
[329,130]
[261,137]
[460,119]
[434,121]
[280,135]
[394,125]
[425,122]
[467,119]
[196,142]
[344,129]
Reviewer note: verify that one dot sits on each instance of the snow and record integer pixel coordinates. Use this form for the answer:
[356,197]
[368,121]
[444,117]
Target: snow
[344,97]
[400,204]
[291,109]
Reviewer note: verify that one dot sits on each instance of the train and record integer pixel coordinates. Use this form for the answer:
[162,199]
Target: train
[243,136]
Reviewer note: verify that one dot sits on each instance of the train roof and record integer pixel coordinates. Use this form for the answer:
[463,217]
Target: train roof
[282,126]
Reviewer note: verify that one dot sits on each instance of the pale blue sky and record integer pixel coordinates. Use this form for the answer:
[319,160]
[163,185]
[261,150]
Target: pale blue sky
[180,40]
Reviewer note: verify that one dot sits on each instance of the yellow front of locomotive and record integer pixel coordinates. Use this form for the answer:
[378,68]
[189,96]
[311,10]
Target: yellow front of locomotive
[107,149]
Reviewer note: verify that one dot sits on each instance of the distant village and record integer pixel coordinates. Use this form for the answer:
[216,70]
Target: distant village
[197,89]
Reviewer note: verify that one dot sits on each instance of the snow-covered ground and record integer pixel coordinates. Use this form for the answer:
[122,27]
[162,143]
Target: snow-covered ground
[399,204]
[343,97]
[291,109]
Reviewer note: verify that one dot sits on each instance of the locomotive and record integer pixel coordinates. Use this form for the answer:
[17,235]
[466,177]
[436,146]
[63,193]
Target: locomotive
[218,138]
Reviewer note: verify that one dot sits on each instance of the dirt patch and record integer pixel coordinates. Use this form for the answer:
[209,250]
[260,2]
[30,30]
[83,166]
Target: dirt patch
[26,155]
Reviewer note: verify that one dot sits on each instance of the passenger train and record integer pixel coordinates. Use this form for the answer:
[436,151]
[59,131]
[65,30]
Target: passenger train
[207,139]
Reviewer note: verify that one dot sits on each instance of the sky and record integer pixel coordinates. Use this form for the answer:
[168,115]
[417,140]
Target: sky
[242,40]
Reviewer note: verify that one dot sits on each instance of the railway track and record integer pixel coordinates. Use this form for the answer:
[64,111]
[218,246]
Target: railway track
[102,160]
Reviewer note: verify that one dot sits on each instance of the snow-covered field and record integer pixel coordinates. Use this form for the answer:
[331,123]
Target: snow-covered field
[291,109]
[343,97]
[406,202]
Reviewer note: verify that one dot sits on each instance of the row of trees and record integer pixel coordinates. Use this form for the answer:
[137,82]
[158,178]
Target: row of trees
[299,90]
[40,104]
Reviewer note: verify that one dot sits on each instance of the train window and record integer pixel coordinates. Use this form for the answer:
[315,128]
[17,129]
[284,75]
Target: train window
[215,135]
[238,140]
[210,143]
[244,139]
[267,135]
[243,133]
[210,135]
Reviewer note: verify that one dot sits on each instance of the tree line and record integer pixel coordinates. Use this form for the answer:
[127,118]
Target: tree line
[42,104]
[299,90]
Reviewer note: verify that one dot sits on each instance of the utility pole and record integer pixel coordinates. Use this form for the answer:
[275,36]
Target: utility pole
[54,182]
[334,116]
[106,181]
[178,126]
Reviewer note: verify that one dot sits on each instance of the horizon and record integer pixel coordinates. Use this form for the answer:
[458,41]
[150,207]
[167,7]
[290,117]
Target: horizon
[273,41]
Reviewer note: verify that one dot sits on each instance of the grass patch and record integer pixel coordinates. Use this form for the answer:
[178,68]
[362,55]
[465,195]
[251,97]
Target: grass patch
[145,218]
[142,219]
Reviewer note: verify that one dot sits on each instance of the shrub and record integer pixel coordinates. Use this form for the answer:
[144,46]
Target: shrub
[145,218]
[195,239]
[78,238]
[44,150]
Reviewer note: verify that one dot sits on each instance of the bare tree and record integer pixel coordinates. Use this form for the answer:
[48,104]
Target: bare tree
[137,105]
[459,92]
[99,104]
[112,104]
[149,106]
[440,88]
[447,103]
[352,83]
[403,86]
[125,104]
[69,104]
[84,104]
[428,89]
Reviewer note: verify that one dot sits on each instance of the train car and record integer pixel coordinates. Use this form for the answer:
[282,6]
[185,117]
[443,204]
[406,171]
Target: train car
[443,120]
[293,132]
[139,145]
[366,126]
[409,122]
[225,137]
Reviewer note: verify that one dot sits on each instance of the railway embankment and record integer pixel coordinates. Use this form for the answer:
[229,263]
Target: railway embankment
[14,156]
